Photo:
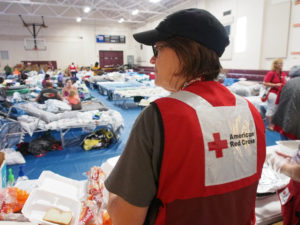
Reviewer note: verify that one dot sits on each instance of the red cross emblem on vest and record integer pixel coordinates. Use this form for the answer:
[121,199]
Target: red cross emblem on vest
[217,145]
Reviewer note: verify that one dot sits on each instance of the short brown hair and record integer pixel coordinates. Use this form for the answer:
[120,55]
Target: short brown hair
[195,59]
[48,83]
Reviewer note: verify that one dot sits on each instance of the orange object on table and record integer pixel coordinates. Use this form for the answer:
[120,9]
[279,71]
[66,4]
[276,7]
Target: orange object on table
[106,218]
[12,199]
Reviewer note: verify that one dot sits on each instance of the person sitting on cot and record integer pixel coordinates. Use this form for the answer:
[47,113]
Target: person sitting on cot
[74,100]
[48,93]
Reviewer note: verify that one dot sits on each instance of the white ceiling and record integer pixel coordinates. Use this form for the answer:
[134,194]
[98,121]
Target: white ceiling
[101,10]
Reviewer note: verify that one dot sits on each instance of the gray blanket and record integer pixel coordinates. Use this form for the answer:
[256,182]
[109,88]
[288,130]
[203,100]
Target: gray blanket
[287,115]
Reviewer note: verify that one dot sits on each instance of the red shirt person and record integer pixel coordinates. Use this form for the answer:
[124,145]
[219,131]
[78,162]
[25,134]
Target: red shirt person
[73,71]
[274,79]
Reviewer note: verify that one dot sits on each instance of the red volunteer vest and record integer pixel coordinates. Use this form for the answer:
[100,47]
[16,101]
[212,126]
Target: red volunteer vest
[290,203]
[72,68]
[214,149]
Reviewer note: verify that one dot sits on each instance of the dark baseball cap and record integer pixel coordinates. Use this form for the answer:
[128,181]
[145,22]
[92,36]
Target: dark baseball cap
[196,24]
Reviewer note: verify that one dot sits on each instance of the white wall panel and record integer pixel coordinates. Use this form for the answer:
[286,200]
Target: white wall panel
[66,43]
[276,29]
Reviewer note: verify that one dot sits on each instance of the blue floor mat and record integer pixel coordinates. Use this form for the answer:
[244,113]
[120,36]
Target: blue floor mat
[272,137]
[74,162]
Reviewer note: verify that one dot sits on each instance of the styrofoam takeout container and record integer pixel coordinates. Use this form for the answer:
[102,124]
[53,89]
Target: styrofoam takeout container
[40,201]
[288,147]
[58,184]
[54,191]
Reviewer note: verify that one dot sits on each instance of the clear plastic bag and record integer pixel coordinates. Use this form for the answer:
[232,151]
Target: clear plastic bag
[296,157]
[92,211]
[12,200]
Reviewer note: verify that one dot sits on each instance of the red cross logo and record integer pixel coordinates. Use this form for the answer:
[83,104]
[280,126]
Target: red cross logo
[217,145]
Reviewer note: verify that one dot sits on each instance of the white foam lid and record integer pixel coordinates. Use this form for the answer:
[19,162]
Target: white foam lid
[54,191]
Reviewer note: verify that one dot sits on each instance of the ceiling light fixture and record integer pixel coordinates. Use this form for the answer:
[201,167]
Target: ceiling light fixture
[121,20]
[135,12]
[25,1]
[87,9]
[78,19]
[154,1]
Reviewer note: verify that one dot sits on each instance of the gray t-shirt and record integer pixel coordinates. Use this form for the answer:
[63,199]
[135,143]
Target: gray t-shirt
[136,174]
[48,93]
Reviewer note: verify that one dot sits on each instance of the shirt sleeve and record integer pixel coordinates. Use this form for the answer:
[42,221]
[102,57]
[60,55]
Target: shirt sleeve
[135,176]
[268,76]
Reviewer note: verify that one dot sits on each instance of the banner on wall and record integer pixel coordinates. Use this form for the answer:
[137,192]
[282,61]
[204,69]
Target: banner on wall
[99,38]
[110,38]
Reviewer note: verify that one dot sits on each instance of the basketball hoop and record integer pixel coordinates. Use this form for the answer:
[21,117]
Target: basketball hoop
[34,44]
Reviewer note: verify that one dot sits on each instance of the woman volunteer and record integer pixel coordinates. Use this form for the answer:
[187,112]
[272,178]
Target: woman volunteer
[274,79]
[194,157]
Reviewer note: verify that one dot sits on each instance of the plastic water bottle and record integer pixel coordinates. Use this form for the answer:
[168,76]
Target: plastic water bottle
[11,178]
[21,175]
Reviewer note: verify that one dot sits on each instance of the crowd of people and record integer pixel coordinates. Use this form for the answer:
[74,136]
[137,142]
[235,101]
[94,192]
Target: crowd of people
[65,81]
[71,71]
[69,93]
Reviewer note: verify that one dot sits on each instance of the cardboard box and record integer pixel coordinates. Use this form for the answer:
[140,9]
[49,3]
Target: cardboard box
[2,170]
